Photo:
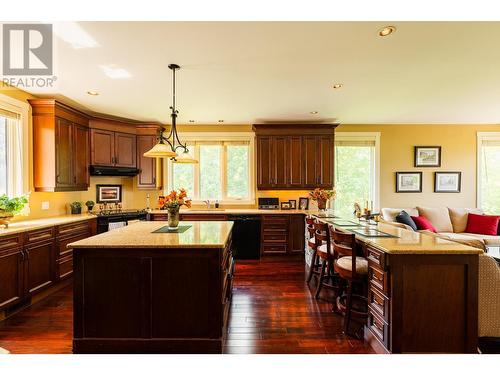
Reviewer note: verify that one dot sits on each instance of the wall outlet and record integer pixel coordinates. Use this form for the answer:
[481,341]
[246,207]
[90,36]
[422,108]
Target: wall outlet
[45,205]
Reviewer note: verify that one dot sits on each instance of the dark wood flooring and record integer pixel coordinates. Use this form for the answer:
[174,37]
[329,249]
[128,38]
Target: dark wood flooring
[273,311]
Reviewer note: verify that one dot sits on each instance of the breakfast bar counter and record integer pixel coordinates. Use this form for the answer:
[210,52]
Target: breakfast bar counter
[143,289]
[422,290]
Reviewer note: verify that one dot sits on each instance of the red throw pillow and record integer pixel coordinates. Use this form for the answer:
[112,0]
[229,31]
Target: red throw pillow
[423,223]
[482,224]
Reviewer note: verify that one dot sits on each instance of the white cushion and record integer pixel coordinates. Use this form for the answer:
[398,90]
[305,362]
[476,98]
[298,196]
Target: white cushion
[322,248]
[438,216]
[346,263]
[389,214]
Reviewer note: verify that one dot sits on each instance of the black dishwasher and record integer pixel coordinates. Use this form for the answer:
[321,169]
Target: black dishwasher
[246,236]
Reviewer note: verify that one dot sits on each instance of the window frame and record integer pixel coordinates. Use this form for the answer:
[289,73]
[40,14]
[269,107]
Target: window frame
[23,110]
[482,136]
[218,137]
[375,167]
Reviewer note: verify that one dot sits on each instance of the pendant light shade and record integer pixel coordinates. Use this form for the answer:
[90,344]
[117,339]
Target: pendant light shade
[185,158]
[160,150]
[167,146]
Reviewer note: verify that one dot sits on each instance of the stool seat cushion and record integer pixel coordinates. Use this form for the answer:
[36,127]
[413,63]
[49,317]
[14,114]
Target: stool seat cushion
[322,248]
[346,263]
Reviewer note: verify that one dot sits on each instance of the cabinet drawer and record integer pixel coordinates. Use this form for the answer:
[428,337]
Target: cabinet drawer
[275,228]
[38,236]
[65,266]
[379,279]
[375,257]
[10,242]
[379,328]
[274,237]
[275,219]
[73,229]
[274,248]
[378,303]
[159,217]
[62,245]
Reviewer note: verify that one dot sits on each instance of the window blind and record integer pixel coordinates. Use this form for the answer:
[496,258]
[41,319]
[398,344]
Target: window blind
[9,114]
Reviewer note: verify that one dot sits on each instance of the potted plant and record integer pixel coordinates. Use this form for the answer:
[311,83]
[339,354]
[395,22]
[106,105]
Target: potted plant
[90,205]
[321,196]
[172,203]
[9,207]
[76,208]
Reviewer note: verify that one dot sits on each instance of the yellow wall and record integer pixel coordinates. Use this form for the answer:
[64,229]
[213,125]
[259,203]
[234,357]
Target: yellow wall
[458,144]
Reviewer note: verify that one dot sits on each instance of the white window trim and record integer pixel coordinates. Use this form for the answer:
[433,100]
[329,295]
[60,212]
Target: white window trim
[367,136]
[21,108]
[482,136]
[220,137]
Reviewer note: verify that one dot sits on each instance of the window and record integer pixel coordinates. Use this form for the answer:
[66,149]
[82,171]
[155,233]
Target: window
[356,171]
[13,147]
[224,171]
[488,158]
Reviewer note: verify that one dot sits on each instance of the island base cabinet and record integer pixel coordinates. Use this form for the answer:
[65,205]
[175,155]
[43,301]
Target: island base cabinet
[422,303]
[150,301]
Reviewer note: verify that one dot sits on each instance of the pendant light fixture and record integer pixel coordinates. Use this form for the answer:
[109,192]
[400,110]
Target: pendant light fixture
[167,147]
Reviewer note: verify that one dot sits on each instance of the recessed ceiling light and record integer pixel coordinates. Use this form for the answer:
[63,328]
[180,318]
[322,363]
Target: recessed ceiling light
[313,112]
[93,93]
[337,85]
[386,31]
[191,120]
[220,120]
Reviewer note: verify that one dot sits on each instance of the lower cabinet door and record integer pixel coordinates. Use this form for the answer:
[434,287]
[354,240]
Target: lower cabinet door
[11,277]
[40,267]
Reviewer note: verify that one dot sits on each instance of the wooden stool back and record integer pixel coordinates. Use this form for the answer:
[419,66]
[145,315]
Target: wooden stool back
[322,237]
[344,244]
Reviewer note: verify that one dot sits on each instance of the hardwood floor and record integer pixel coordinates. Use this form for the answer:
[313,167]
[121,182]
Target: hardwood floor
[273,311]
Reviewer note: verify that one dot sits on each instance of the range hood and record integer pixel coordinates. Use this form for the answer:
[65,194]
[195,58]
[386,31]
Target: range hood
[96,170]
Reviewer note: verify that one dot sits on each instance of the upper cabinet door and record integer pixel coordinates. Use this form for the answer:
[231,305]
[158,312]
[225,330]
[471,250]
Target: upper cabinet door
[280,162]
[81,155]
[265,164]
[103,147]
[325,162]
[295,162]
[310,160]
[125,150]
[147,176]
[64,153]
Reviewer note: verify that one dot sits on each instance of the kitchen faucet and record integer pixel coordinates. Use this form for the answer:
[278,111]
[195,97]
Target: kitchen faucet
[207,202]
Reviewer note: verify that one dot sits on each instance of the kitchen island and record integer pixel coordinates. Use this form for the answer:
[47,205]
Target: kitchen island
[137,291]
[422,290]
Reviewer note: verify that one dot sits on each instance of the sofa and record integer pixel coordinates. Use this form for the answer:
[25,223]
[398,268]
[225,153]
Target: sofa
[450,224]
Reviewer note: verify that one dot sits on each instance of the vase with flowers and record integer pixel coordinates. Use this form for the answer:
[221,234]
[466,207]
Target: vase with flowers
[321,196]
[172,203]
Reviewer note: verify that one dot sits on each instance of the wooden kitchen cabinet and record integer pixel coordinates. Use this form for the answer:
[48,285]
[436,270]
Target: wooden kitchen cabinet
[11,271]
[60,147]
[113,149]
[147,176]
[295,156]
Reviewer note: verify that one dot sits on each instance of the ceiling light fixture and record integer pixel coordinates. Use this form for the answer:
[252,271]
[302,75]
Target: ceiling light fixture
[386,31]
[93,93]
[167,146]
[337,85]
[313,112]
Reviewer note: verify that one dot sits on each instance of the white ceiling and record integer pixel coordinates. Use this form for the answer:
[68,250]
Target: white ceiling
[247,72]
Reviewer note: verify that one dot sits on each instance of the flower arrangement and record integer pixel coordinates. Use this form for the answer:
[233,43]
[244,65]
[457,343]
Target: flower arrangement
[174,200]
[322,194]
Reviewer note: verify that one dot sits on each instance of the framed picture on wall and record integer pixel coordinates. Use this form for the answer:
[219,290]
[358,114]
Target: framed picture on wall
[108,193]
[447,182]
[427,156]
[408,182]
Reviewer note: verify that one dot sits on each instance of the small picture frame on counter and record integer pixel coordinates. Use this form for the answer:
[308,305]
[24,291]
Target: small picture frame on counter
[285,205]
[303,203]
[293,204]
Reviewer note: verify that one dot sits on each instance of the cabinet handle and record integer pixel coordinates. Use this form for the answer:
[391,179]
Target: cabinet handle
[22,256]
[116,160]
[57,178]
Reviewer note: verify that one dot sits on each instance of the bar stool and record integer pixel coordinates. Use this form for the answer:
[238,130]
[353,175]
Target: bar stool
[324,253]
[354,270]
[311,243]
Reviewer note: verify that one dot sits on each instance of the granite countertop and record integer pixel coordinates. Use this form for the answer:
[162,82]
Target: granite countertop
[409,242]
[201,234]
[238,211]
[29,225]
